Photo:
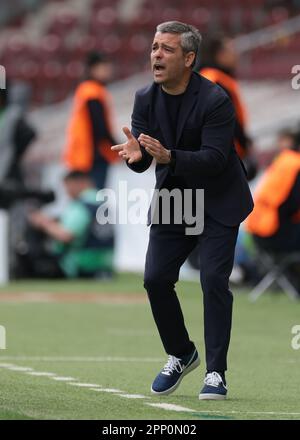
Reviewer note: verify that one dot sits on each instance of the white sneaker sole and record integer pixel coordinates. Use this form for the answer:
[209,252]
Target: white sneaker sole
[210,396]
[192,367]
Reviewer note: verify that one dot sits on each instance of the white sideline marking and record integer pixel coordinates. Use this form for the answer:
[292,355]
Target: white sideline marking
[81,359]
[106,390]
[84,385]
[165,406]
[40,373]
[16,368]
[171,407]
[63,378]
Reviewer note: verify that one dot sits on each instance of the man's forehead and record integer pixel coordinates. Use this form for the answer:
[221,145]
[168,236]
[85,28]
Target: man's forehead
[168,38]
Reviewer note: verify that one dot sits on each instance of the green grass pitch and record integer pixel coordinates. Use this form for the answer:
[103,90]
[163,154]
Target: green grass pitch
[115,344]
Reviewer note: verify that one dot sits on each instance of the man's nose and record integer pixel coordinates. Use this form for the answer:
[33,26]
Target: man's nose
[158,53]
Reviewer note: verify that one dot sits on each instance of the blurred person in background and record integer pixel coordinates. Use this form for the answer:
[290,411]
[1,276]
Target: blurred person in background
[287,140]
[15,137]
[219,61]
[259,229]
[79,246]
[275,220]
[90,131]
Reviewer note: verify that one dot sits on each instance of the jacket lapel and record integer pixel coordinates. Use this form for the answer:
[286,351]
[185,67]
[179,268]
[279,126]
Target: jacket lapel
[188,102]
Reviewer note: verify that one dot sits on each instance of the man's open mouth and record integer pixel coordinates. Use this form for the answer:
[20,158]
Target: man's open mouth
[158,67]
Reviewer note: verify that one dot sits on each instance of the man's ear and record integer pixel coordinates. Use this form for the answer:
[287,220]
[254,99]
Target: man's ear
[190,58]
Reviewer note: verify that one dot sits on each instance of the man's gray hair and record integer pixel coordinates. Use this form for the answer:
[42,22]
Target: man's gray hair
[190,36]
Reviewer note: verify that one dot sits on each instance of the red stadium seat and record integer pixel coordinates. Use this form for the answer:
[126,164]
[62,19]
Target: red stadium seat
[110,44]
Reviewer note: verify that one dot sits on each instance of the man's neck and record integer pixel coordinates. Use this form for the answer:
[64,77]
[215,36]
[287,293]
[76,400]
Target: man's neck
[179,88]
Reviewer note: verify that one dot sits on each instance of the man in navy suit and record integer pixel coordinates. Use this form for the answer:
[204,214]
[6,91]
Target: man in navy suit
[186,123]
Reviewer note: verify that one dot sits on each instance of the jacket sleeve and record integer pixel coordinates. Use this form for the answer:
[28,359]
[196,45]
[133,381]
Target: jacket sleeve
[139,124]
[216,141]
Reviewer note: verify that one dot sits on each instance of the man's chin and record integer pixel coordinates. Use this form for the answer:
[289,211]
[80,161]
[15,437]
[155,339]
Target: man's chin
[159,78]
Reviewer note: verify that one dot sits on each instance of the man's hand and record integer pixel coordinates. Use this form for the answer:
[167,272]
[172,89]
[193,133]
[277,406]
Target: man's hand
[50,226]
[130,150]
[155,148]
[38,219]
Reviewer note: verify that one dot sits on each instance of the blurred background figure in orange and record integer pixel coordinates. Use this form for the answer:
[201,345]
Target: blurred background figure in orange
[89,136]
[275,220]
[219,62]
[274,224]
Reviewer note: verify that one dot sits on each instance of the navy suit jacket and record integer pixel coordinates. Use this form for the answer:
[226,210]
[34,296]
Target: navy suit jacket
[204,149]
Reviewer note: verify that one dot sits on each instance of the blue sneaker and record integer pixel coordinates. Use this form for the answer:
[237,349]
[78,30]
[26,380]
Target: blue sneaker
[214,388]
[173,372]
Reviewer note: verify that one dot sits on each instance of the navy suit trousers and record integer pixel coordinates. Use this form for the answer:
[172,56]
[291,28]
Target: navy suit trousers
[167,250]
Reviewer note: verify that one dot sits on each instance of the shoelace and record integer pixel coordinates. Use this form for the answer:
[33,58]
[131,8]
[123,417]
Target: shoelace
[172,364]
[213,379]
